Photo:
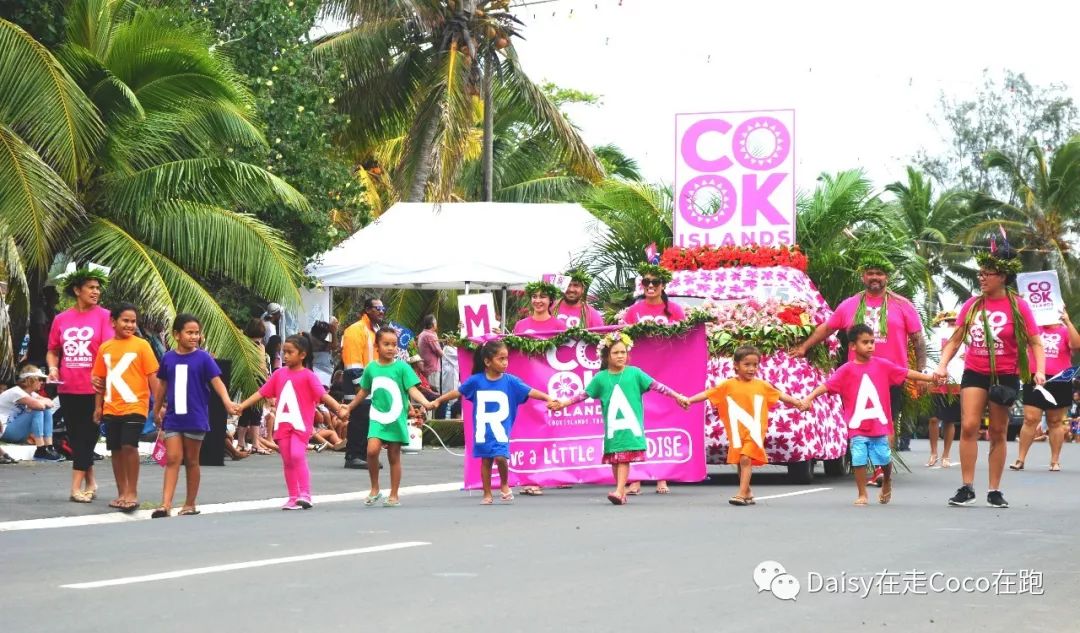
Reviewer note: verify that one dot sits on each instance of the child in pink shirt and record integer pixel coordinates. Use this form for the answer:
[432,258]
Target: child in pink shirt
[297,390]
[863,385]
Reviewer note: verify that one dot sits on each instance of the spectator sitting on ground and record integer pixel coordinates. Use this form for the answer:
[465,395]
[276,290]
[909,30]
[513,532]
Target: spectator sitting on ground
[416,362]
[28,415]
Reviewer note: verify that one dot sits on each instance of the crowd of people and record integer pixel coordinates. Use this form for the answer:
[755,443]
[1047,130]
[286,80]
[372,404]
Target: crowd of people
[351,389]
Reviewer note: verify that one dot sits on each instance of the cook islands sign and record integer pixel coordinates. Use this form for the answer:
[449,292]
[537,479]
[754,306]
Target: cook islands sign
[735,178]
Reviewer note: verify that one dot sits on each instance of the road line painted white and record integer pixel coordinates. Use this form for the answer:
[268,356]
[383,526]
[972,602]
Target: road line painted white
[214,569]
[213,508]
[794,494]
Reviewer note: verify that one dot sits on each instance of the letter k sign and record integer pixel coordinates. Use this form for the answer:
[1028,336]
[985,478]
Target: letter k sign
[114,377]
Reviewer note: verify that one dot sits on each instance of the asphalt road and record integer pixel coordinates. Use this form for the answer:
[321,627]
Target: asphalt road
[567,561]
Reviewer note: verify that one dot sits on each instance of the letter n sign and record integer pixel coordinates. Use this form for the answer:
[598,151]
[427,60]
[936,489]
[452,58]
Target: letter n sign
[476,313]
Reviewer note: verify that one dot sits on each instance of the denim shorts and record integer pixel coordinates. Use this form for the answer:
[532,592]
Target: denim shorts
[876,449]
[191,435]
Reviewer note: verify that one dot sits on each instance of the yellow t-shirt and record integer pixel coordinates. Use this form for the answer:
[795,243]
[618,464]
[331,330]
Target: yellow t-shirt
[358,344]
[125,364]
[743,407]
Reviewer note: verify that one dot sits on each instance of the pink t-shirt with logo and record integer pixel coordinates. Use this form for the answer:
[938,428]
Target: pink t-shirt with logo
[642,311]
[571,315]
[864,394]
[76,336]
[999,315]
[1055,343]
[297,392]
[529,325]
[901,321]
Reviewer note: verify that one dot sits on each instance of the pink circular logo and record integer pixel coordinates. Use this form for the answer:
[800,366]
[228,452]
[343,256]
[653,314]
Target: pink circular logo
[710,213]
[761,143]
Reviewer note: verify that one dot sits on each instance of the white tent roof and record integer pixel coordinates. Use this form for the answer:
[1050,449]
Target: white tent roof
[484,244]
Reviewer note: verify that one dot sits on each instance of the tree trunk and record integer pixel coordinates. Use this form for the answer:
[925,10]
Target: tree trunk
[424,168]
[487,190]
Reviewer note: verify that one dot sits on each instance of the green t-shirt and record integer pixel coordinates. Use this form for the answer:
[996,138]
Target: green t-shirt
[620,399]
[388,388]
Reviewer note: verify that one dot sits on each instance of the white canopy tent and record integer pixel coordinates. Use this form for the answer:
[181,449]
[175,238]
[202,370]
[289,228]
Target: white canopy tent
[468,245]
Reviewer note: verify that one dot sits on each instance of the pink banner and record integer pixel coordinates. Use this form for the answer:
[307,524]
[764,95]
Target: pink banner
[566,447]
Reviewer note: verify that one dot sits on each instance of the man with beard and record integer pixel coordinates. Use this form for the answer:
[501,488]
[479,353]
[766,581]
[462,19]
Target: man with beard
[573,309]
[892,318]
[357,350]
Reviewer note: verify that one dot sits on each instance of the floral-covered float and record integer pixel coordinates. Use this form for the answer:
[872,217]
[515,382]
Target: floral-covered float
[763,297]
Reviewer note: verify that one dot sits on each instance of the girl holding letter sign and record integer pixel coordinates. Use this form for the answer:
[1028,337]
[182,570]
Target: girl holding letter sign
[496,396]
[620,388]
[389,381]
[743,404]
[296,390]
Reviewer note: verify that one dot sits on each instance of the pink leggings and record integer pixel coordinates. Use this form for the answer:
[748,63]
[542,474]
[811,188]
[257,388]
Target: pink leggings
[293,449]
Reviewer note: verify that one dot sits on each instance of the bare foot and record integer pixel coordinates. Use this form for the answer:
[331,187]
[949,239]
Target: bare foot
[886,492]
[861,501]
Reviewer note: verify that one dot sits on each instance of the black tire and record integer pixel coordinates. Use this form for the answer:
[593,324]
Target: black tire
[801,473]
[839,467]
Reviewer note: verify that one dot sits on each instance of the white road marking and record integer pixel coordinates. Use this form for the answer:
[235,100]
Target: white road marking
[198,571]
[213,508]
[794,494]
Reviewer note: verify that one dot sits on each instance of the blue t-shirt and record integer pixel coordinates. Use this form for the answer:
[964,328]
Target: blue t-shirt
[188,378]
[495,404]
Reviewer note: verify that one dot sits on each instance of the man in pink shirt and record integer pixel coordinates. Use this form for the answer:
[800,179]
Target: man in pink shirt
[573,309]
[892,318]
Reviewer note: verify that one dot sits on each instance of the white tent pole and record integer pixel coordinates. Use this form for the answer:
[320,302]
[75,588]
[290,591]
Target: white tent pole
[503,313]
[466,287]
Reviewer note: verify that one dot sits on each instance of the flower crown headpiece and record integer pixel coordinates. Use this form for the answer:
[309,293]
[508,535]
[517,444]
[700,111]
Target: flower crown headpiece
[876,261]
[580,276]
[542,287]
[612,338]
[661,273]
[80,276]
[1005,266]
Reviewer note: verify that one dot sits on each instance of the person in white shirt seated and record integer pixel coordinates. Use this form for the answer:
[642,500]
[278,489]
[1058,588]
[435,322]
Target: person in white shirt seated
[26,414]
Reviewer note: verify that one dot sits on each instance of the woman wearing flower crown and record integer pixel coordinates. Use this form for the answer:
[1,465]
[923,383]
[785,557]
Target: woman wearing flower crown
[541,296]
[997,326]
[620,388]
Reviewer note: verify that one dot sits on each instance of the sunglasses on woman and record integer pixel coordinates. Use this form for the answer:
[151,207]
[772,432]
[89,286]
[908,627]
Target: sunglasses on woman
[651,282]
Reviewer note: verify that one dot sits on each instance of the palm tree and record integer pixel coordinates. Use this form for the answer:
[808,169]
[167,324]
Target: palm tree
[1046,215]
[933,224]
[637,214]
[48,129]
[840,221]
[422,74]
[159,191]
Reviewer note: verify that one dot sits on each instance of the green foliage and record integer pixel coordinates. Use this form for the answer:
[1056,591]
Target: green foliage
[295,103]
[42,19]
[1005,115]
[769,340]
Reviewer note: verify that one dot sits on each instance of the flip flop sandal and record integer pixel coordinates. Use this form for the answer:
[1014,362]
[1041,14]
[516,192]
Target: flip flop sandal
[634,493]
[129,507]
[486,501]
[391,503]
[1055,468]
[532,492]
[116,504]
[1017,465]
[663,491]
[860,502]
[373,499]
[933,461]
[884,497]
[750,501]
[738,501]
[160,513]
[189,512]
[506,496]
[616,499]
[946,463]
[80,497]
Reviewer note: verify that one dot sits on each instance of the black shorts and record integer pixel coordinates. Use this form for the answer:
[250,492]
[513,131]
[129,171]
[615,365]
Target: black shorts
[123,430]
[983,381]
[946,408]
[252,416]
[896,401]
[1061,391]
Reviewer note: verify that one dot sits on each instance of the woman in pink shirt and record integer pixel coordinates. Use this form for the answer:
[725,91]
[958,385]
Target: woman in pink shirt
[542,296]
[74,339]
[997,327]
[655,305]
[1058,342]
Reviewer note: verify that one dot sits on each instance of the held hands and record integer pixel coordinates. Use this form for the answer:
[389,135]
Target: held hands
[804,404]
[431,405]
[235,409]
[556,405]
[683,401]
[159,417]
